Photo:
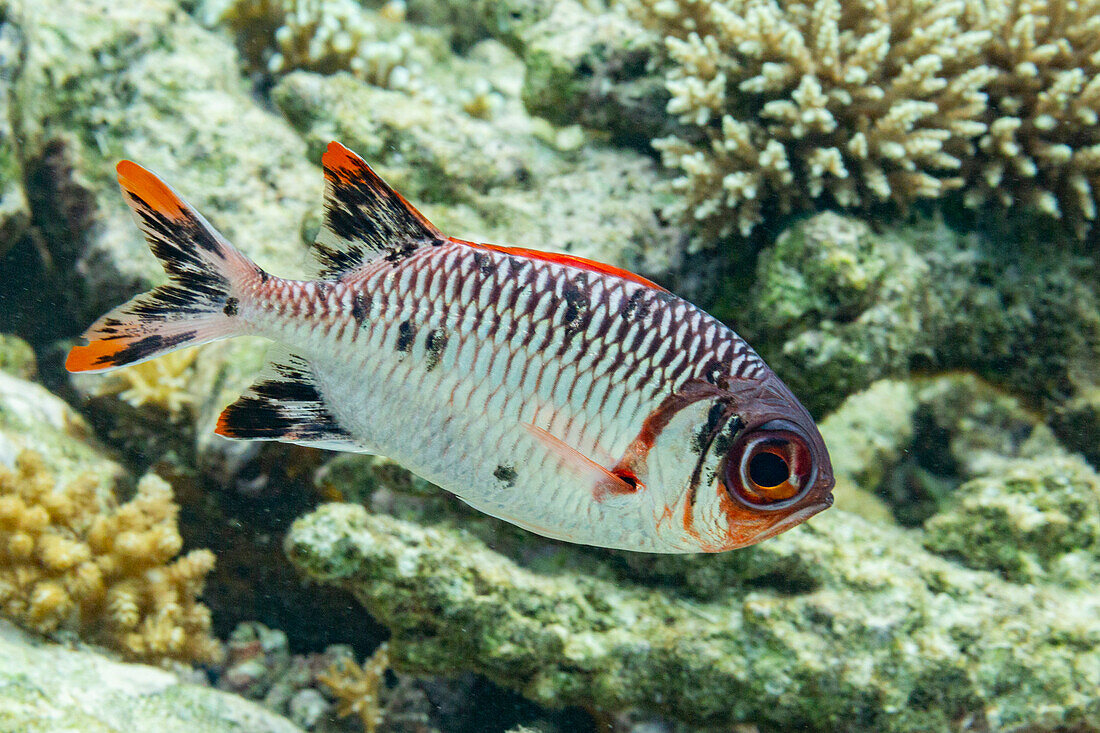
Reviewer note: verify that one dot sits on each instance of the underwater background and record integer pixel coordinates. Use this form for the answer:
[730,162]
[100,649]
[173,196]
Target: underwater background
[894,201]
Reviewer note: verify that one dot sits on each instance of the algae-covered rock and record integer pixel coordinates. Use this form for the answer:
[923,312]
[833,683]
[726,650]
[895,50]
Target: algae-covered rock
[46,687]
[33,419]
[16,356]
[836,305]
[900,448]
[893,638]
[1032,518]
[15,213]
[592,68]
[505,179]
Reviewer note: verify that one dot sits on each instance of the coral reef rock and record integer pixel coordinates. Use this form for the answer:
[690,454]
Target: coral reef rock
[1031,519]
[835,306]
[891,628]
[509,179]
[104,80]
[46,687]
[966,614]
[279,36]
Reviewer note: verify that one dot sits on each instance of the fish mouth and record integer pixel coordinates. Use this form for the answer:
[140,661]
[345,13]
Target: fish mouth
[795,518]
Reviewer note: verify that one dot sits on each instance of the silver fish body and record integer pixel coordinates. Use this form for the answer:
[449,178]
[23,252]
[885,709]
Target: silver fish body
[575,400]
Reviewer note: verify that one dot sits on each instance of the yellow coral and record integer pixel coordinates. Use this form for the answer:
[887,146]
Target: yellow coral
[110,573]
[162,382]
[357,689]
[865,102]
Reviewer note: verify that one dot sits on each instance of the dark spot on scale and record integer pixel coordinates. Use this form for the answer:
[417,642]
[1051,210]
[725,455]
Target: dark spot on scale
[406,333]
[360,308]
[484,263]
[230,308]
[636,306]
[264,277]
[506,475]
[576,317]
[435,344]
[714,371]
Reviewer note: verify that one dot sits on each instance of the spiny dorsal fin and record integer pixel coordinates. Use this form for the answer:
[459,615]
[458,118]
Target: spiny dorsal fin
[285,404]
[364,217]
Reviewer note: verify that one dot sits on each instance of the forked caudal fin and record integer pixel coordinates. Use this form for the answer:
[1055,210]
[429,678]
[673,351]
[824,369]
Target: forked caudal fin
[198,303]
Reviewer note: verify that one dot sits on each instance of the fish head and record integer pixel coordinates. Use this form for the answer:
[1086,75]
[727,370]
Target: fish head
[742,464]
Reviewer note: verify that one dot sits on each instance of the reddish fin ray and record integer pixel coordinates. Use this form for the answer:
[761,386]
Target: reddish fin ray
[580,263]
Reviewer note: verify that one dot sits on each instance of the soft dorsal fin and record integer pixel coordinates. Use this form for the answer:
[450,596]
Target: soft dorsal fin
[364,217]
[285,404]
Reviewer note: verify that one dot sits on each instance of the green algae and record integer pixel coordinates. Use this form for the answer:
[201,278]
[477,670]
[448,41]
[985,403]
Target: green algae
[1032,519]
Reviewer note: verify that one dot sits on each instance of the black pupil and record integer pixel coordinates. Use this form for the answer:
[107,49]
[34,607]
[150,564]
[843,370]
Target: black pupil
[768,470]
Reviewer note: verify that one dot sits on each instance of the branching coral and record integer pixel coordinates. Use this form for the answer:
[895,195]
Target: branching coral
[1042,147]
[357,689]
[322,35]
[109,573]
[864,102]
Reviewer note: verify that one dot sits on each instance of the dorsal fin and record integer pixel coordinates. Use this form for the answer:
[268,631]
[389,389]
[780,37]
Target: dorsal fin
[364,217]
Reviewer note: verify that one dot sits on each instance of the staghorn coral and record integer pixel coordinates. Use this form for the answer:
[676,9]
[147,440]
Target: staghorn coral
[69,563]
[325,36]
[862,103]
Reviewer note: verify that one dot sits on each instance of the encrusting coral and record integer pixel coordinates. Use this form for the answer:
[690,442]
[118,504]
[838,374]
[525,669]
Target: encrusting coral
[108,573]
[886,101]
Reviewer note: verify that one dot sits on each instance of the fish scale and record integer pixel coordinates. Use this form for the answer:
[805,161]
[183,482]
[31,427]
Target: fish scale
[572,398]
[632,378]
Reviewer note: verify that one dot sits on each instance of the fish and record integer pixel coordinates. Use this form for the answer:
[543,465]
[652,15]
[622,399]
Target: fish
[572,398]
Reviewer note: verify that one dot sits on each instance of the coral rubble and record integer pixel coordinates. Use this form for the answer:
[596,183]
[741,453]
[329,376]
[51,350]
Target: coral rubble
[864,103]
[110,574]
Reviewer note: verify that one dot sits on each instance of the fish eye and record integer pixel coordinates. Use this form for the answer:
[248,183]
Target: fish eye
[770,467]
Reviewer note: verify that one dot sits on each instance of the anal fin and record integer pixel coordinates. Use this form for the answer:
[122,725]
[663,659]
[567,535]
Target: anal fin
[285,404]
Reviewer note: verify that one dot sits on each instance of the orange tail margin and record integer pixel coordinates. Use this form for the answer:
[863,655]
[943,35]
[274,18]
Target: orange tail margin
[200,301]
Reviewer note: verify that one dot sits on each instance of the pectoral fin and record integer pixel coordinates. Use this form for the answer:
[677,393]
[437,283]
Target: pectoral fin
[604,482]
